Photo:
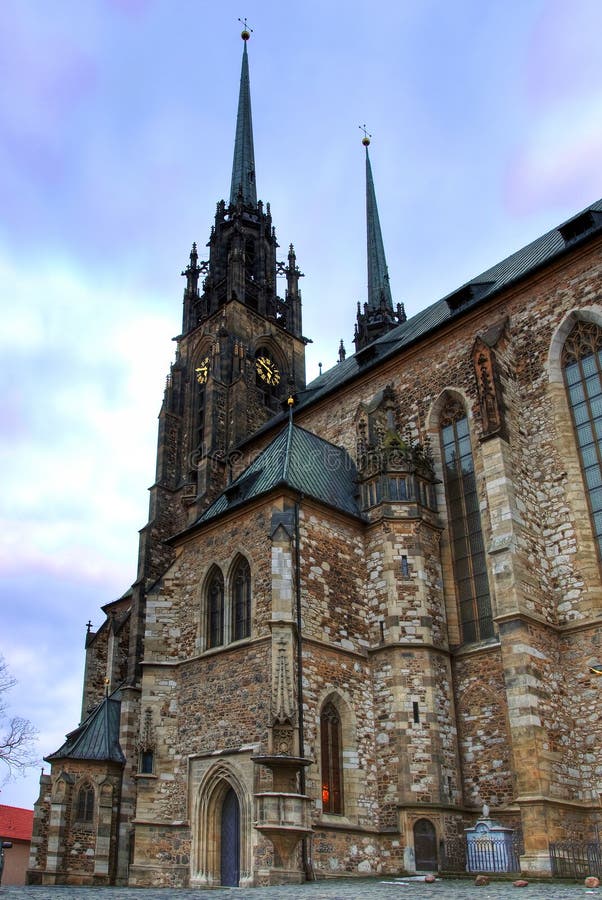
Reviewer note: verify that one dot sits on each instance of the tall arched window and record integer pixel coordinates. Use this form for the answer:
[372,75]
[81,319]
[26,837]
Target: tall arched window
[466,536]
[582,367]
[241,600]
[84,807]
[330,745]
[215,609]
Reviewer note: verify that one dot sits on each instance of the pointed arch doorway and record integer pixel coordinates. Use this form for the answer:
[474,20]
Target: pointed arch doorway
[230,840]
[425,846]
[221,851]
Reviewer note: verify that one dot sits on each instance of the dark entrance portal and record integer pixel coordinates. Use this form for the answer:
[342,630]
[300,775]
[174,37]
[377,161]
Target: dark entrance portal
[230,840]
[425,845]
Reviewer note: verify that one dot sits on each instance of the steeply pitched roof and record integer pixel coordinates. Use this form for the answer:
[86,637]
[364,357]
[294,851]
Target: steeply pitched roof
[243,164]
[300,460]
[16,824]
[510,271]
[378,274]
[97,738]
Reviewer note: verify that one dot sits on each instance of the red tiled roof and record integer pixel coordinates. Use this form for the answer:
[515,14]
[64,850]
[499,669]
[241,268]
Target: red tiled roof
[15,824]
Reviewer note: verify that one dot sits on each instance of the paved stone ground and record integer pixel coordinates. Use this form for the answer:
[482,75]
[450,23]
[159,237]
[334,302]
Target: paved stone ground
[356,889]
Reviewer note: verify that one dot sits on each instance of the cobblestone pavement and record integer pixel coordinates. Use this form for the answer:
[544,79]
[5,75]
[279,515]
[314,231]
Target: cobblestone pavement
[356,889]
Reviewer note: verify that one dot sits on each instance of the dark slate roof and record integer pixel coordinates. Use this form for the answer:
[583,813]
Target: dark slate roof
[97,738]
[300,460]
[510,271]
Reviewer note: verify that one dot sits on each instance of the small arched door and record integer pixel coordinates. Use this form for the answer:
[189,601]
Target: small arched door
[425,846]
[230,840]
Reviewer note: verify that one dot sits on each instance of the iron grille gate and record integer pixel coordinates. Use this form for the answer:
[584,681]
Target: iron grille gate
[576,859]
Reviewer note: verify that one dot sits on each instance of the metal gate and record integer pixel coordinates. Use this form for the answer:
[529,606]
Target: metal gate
[425,845]
[230,840]
[576,859]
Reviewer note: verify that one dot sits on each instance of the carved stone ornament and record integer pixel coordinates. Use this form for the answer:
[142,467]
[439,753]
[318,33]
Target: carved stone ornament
[284,709]
[488,388]
[146,742]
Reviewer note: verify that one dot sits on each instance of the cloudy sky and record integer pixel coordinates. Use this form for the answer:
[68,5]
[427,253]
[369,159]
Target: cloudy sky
[116,134]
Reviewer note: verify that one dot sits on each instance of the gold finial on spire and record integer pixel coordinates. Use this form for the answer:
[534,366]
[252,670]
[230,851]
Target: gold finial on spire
[366,137]
[246,31]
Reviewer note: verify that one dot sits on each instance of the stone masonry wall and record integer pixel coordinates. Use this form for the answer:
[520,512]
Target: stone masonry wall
[484,735]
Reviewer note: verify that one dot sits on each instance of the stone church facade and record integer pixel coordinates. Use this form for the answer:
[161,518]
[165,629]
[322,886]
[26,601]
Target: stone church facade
[366,606]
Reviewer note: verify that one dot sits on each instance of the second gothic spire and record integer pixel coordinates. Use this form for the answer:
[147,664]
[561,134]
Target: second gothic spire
[379,289]
[243,164]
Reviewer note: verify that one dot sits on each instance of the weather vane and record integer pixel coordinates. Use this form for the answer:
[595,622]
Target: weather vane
[246,31]
[367,136]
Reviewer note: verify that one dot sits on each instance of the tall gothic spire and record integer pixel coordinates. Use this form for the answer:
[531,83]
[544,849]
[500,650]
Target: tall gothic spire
[378,316]
[243,165]
[378,274]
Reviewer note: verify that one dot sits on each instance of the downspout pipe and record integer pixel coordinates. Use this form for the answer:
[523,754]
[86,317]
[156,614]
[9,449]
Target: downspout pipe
[305,854]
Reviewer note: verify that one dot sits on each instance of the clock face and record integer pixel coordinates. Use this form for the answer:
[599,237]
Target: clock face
[267,370]
[202,371]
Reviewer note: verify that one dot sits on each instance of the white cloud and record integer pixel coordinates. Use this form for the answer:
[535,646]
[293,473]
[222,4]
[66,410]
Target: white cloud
[81,491]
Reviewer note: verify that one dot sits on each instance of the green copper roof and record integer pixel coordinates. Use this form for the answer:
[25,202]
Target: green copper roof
[300,460]
[97,738]
[378,274]
[243,165]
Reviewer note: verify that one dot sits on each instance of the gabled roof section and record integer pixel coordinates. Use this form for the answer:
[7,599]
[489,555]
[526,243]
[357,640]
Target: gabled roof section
[243,164]
[16,824]
[299,460]
[97,738]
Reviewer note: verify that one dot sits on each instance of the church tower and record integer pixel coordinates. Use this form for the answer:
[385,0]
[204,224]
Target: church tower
[239,356]
[378,315]
[241,351]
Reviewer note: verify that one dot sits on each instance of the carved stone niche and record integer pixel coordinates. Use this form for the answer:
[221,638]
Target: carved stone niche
[391,469]
[489,388]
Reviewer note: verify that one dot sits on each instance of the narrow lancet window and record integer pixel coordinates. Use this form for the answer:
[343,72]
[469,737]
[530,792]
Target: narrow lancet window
[215,610]
[466,536]
[332,787]
[84,811]
[582,367]
[241,606]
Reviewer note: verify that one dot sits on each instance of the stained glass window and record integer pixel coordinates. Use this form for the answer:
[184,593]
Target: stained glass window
[582,366]
[466,536]
[332,787]
[215,610]
[241,596]
[85,804]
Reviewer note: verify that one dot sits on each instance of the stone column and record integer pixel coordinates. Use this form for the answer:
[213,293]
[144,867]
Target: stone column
[56,828]
[102,860]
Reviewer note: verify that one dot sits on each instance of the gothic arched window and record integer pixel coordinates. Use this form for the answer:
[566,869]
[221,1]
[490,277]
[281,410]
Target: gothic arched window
[84,806]
[215,610]
[466,536]
[332,770]
[582,368]
[241,600]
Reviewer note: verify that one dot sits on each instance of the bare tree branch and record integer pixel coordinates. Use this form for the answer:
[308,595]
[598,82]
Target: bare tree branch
[17,735]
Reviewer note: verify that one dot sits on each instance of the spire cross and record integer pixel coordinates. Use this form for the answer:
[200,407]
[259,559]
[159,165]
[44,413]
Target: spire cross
[245,29]
[367,135]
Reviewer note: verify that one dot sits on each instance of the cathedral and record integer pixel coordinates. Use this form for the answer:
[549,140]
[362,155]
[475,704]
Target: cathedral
[368,610]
